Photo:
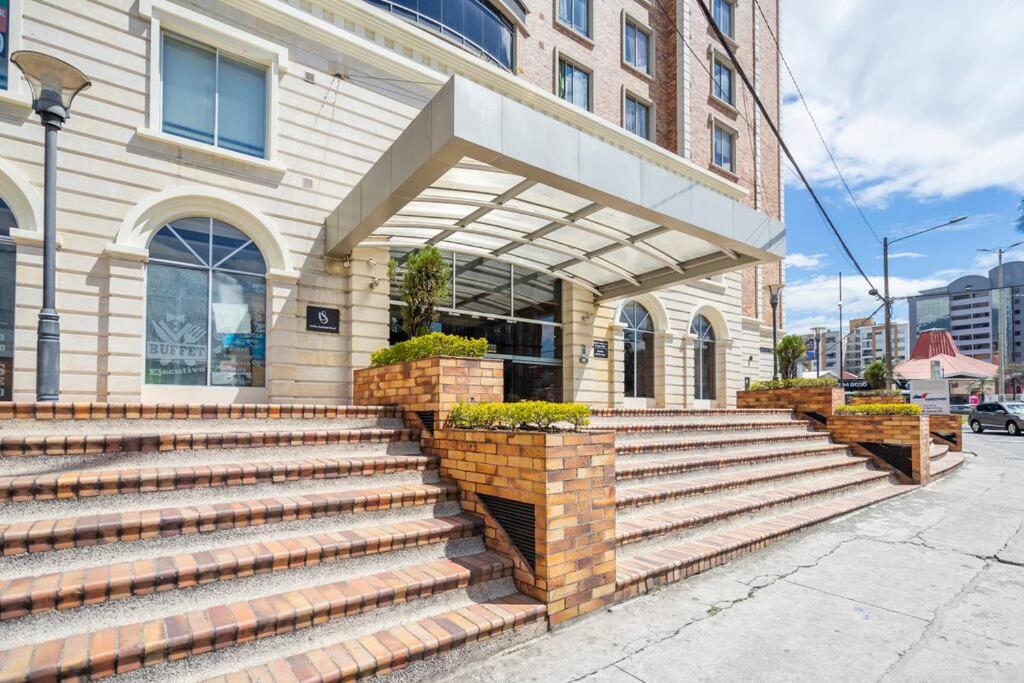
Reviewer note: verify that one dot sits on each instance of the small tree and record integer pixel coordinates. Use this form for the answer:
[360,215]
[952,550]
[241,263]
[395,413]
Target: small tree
[425,285]
[790,350]
[875,375]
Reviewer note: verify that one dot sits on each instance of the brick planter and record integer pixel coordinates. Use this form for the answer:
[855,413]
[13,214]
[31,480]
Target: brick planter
[903,441]
[812,401]
[948,430]
[567,482]
[856,400]
[431,385]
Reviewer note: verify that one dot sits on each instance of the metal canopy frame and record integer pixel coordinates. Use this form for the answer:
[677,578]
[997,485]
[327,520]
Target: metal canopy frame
[479,173]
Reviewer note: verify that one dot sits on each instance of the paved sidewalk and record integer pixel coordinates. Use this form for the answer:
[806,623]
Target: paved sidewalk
[926,587]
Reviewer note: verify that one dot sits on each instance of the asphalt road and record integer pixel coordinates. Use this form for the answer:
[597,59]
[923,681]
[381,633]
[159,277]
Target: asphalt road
[928,586]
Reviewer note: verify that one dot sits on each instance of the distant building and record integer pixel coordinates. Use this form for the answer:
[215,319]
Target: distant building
[968,308]
[864,343]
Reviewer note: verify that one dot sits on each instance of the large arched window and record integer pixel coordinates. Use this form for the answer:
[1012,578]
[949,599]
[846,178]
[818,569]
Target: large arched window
[639,347]
[8,264]
[206,306]
[703,358]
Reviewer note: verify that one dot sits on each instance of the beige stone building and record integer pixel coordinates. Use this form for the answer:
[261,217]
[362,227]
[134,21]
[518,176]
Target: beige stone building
[236,179]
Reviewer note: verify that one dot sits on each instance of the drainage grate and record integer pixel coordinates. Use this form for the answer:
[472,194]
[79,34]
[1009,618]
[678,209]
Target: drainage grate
[427,418]
[519,521]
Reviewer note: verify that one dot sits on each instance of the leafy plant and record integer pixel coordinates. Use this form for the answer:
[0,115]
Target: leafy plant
[880,409]
[525,415]
[875,375]
[794,383]
[425,285]
[433,344]
[789,352]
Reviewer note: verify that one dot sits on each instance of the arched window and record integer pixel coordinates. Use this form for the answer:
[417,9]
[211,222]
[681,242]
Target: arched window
[206,306]
[703,358]
[639,346]
[8,264]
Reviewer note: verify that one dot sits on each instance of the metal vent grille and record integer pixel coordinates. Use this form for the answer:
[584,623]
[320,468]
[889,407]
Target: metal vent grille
[427,418]
[519,521]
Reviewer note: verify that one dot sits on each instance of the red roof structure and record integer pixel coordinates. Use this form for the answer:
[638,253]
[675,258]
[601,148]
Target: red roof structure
[938,345]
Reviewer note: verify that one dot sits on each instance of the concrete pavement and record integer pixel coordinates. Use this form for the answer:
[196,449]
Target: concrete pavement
[928,586]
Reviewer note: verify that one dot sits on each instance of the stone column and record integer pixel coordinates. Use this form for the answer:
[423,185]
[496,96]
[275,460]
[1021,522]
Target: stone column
[123,324]
[616,364]
[283,320]
[365,316]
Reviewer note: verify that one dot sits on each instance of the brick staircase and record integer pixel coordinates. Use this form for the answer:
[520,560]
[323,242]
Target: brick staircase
[242,543]
[698,488]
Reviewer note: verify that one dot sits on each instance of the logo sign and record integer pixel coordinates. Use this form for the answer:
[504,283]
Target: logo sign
[320,319]
[855,384]
[5,20]
[600,348]
[931,394]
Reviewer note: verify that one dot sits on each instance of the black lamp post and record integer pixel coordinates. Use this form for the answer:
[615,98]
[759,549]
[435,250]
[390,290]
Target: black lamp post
[774,290]
[54,85]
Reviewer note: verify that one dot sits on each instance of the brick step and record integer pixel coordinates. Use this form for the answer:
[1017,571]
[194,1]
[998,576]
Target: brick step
[684,412]
[657,493]
[111,482]
[395,648]
[946,465]
[642,573]
[42,535]
[642,528]
[109,583]
[98,653]
[188,411]
[730,441]
[84,444]
[667,467]
[721,426]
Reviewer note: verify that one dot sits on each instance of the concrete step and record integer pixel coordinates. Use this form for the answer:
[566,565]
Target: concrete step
[676,425]
[101,652]
[47,412]
[636,414]
[91,585]
[35,535]
[659,467]
[718,442]
[396,648]
[672,490]
[62,444]
[946,465]
[640,533]
[642,573]
[939,451]
[703,432]
[118,481]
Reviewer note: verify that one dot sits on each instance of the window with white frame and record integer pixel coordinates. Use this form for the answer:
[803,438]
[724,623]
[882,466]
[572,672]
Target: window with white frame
[573,84]
[638,117]
[575,14]
[722,81]
[212,97]
[723,12]
[637,47]
[723,144]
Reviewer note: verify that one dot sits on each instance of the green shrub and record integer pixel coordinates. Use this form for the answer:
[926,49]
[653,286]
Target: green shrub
[880,409]
[788,353]
[795,383]
[875,374]
[433,344]
[878,392]
[527,415]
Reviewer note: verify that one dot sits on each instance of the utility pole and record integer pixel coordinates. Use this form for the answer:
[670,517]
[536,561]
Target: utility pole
[842,363]
[887,300]
[818,347]
[1001,389]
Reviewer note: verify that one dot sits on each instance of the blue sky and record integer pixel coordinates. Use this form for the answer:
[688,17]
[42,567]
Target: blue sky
[922,127]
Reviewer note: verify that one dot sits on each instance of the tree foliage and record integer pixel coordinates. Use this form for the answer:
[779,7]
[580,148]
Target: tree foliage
[425,285]
[875,375]
[789,352]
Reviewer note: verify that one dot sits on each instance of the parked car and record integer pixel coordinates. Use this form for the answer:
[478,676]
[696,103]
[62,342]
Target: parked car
[960,409]
[1008,416]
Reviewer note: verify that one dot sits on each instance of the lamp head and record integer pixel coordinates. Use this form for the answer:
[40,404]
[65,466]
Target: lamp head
[774,289]
[54,83]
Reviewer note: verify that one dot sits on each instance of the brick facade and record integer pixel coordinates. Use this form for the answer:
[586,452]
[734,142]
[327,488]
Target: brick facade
[570,481]
[899,430]
[822,401]
[432,384]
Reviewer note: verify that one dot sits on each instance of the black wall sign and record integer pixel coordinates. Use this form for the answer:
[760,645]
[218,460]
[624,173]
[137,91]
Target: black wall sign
[855,384]
[600,348]
[320,319]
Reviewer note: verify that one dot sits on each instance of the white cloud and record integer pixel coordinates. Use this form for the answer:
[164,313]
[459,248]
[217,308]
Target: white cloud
[905,254]
[805,261]
[913,113]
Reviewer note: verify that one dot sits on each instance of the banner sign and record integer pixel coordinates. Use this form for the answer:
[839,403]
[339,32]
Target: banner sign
[320,319]
[931,394]
[5,32]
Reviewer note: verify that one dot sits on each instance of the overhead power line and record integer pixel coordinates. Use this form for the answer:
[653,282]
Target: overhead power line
[778,136]
[814,122]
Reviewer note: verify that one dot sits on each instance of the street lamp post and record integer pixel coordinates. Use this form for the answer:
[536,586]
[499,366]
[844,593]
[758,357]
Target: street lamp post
[54,84]
[774,290]
[887,300]
[1001,390]
[818,346]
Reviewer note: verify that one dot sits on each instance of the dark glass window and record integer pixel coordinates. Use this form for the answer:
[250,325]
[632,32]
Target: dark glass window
[722,11]
[537,296]
[482,285]
[722,81]
[636,47]
[575,14]
[573,84]
[703,358]
[638,338]
[8,267]
[638,117]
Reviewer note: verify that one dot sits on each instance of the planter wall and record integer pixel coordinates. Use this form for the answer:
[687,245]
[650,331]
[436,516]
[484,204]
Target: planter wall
[948,430]
[815,401]
[567,483]
[855,400]
[903,441]
[431,385]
